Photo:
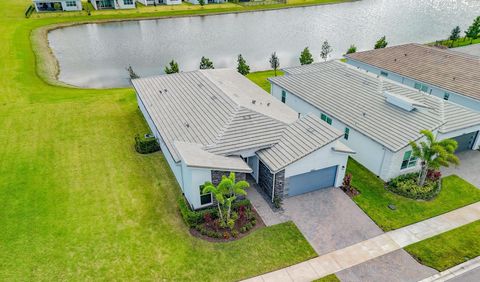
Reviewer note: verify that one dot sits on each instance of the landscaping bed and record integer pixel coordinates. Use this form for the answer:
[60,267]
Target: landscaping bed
[406,186]
[448,249]
[374,199]
[206,224]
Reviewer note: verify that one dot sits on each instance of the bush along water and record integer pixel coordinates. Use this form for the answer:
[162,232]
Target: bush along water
[407,186]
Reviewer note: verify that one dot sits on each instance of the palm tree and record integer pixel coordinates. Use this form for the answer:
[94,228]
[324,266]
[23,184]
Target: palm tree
[434,154]
[226,193]
[218,193]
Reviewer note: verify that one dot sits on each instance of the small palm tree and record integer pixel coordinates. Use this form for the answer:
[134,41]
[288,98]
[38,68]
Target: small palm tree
[434,154]
[226,193]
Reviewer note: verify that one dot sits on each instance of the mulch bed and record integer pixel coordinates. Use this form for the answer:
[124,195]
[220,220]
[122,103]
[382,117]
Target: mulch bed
[352,192]
[260,224]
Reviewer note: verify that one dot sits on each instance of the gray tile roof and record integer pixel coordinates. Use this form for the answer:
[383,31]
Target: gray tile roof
[301,138]
[219,109]
[357,99]
[453,71]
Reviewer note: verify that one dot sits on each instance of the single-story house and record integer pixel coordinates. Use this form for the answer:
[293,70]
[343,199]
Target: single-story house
[113,4]
[212,122]
[447,74]
[57,5]
[379,117]
[160,2]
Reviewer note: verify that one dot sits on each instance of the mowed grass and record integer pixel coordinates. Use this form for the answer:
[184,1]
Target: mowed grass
[261,78]
[328,278]
[448,249]
[79,204]
[374,199]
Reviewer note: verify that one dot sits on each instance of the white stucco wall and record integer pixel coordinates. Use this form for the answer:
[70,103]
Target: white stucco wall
[175,167]
[192,179]
[322,158]
[434,90]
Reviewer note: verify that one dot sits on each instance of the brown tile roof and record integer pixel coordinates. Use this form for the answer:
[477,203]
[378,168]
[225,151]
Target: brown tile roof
[452,71]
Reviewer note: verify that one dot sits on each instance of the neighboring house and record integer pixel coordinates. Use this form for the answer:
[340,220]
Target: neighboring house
[378,117]
[160,2]
[113,4]
[57,5]
[212,122]
[446,74]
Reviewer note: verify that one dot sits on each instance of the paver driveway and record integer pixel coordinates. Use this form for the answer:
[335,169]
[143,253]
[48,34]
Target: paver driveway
[468,168]
[327,218]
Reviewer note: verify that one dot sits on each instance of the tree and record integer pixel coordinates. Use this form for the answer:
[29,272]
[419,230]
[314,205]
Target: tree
[274,62]
[173,68]
[242,67]
[201,2]
[226,192]
[454,35]
[326,50]
[381,43]
[434,154]
[205,63]
[473,31]
[352,49]
[132,73]
[306,57]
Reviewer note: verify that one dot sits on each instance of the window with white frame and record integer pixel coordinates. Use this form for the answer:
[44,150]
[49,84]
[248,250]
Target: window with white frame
[71,3]
[408,160]
[128,2]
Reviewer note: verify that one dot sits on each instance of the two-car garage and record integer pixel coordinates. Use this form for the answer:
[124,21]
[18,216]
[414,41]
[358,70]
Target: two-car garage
[466,141]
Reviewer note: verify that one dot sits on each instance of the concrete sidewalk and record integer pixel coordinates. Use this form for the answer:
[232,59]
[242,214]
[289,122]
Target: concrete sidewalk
[369,249]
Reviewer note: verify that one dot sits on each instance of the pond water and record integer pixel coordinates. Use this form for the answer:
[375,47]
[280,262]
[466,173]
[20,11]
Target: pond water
[96,55]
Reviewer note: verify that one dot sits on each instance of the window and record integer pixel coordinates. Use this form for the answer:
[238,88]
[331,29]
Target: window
[71,3]
[446,96]
[128,2]
[284,96]
[408,160]
[420,87]
[206,198]
[383,73]
[347,133]
[326,118]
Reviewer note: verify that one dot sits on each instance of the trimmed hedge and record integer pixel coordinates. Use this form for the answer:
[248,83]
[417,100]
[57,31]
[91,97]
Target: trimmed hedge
[406,186]
[193,218]
[146,145]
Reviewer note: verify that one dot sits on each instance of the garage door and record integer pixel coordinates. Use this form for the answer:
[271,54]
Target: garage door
[466,141]
[311,181]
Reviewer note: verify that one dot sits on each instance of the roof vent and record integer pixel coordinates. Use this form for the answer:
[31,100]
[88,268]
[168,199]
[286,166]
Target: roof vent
[160,91]
[268,104]
[453,78]
[254,101]
[187,125]
[165,90]
[403,102]
[395,59]
[405,54]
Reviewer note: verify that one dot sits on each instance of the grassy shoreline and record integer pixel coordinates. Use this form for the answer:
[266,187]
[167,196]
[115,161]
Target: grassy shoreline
[48,66]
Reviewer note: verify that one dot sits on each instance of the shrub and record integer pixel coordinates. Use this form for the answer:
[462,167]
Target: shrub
[406,186]
[277,202]
[145,145]
[434,175]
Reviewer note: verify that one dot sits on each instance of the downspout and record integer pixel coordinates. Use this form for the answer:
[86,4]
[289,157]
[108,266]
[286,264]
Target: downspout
[273,186]
[383,161]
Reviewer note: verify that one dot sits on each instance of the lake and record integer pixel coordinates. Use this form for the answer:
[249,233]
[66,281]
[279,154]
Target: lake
[96,55]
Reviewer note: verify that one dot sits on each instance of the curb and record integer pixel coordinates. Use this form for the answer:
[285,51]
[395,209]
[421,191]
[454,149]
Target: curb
[454,271]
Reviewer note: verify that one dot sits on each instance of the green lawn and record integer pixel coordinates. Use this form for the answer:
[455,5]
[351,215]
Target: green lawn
[261,78]
[458,43]
[374,199]
[79,204]
[448,249]
[175,10]
[328,278]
